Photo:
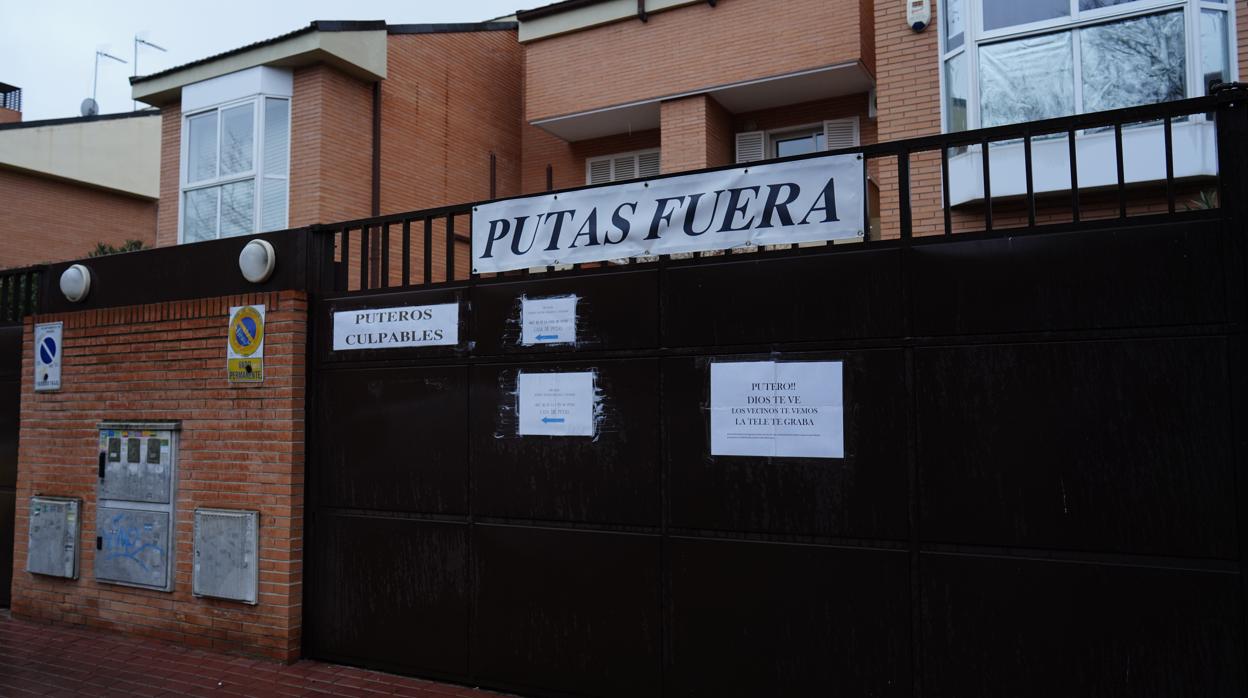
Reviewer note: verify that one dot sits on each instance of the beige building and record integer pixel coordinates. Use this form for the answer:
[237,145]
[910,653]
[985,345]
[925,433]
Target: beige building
[67,185]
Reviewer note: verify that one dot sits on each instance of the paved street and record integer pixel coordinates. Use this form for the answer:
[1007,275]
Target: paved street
[54,660]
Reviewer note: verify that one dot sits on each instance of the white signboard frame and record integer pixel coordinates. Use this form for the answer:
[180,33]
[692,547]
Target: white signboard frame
[555,404]
[810,200]
[397,327]
[49,355]
[548,320]
[778,409]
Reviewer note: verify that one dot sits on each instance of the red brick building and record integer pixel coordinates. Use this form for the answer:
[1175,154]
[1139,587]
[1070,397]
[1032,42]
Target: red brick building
[720,83]
[342,120]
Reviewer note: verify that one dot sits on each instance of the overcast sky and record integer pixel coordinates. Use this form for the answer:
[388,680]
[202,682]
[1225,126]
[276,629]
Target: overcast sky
[47,47]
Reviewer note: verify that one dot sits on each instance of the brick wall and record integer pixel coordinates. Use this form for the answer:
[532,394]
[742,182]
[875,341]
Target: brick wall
[711,129]
[1241,33]
[449,100]
[241,448]
[331,139]
[908,103]
[809,113]
[696,133]
[686,50]
[47,220]
[170,174]
[567,160]
[9,116]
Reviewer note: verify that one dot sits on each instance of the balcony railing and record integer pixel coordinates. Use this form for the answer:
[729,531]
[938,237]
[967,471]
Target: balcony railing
[19,293]
[10,97]
[431,247]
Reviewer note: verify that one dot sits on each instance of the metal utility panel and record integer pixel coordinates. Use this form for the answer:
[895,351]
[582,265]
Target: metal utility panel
[137,462]
[226,554]
[134,547]
[52,547]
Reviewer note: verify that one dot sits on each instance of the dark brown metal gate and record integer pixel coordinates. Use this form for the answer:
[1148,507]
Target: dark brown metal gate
[18,295]
[1043,491]
[10,404]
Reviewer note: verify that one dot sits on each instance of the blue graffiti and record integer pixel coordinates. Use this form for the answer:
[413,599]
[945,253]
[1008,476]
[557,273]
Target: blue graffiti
[126,542]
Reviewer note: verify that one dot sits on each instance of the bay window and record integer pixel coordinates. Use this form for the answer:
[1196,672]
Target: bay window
[1006,61]
[235,169]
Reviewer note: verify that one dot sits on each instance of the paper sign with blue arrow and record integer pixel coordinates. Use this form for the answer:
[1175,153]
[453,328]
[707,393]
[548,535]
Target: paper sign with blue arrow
[555,404]
[548,320]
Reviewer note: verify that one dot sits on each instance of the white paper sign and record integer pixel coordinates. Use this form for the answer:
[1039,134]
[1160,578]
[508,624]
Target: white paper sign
[800,201]
[548,320]
[392,328]
[556,404]
[48,352]
[786,409]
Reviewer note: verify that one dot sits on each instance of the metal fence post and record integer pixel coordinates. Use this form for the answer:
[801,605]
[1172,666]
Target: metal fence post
[1231,115]
[1232,132]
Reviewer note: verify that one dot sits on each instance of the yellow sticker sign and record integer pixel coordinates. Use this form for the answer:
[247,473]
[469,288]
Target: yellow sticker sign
[245,345]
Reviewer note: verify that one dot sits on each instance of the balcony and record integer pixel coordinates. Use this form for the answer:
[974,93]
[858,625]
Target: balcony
[10,99]
[748,55]
[1143,150]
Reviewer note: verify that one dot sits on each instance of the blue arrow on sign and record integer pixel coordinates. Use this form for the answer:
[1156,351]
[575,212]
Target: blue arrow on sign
[540,337]
[552,420]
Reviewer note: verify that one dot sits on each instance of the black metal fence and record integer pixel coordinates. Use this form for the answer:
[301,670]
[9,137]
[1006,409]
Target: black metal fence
[19,293]
[424,248]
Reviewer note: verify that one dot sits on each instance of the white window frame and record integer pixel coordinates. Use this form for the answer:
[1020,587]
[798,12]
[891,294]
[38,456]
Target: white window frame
[635,154]
[771,135]
[257,173]
[788,132]
[974,36]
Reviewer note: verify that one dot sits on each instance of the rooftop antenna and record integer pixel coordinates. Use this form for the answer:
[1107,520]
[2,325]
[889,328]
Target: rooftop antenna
[139,40]
[94,106]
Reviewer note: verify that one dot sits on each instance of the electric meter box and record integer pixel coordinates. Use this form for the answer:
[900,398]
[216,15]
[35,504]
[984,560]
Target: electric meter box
[52,542]
[136,462]
[226,554]
[135,517]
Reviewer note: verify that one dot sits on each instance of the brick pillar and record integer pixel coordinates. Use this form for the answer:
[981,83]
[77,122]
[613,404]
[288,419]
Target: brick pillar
[907,66]
[696,132]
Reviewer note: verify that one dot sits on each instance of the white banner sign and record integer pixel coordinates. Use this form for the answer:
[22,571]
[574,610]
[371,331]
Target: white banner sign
[800,201]
[556,404]
[48,353]
[548,320]
[391,328]
[765,408]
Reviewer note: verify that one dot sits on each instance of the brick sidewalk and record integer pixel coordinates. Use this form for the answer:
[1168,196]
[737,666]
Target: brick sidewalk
[38,659]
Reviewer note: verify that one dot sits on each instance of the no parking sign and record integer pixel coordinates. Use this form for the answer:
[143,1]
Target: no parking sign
[245,345]
[48,352]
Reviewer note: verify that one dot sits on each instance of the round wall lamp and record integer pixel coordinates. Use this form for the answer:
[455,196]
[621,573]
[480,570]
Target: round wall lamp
[257,260]
[76,283]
